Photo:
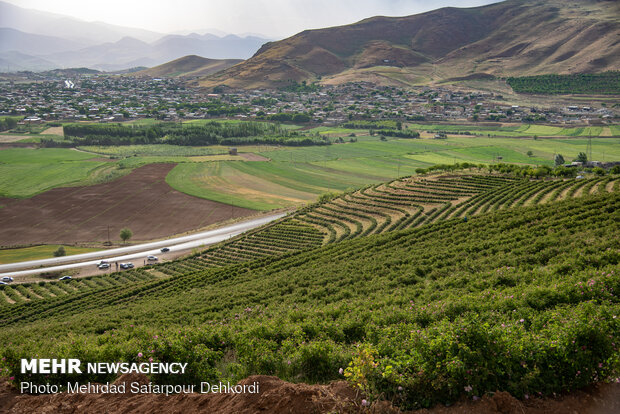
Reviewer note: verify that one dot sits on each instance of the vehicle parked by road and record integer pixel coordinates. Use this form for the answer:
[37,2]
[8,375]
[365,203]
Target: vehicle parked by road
[151,258]
[7,279]
[127,265]
[65,278]
[104,266]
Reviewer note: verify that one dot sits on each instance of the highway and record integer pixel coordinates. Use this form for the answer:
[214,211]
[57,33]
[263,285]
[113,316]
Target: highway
[122,254]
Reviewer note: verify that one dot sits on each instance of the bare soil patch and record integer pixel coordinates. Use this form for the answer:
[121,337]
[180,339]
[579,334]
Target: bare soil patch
[280,397]
[11,138]
[141,201]
[55,131]
[250,156]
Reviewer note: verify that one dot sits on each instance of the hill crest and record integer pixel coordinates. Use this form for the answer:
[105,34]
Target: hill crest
[515,37]
[188,66]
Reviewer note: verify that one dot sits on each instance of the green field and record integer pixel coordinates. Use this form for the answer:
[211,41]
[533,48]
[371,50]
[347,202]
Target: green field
[294,175]
[513,131]
[37,252]
[26,172]
[261,185]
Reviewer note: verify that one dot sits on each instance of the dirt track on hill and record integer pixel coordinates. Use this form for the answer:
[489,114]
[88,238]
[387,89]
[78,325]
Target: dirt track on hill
[279,397]
[141,201]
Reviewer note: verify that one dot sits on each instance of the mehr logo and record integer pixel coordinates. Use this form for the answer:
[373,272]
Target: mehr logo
[51,366]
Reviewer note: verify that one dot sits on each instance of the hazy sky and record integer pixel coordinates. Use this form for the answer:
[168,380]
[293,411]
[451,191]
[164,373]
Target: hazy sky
[274,18]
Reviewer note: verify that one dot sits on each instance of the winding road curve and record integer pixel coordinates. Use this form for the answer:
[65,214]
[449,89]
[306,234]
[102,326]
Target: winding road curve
[136,251]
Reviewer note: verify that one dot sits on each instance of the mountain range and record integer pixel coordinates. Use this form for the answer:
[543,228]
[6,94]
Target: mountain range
[36,40]
[514,37]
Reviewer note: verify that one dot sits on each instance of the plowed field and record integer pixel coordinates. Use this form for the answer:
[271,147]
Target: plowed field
[141,201]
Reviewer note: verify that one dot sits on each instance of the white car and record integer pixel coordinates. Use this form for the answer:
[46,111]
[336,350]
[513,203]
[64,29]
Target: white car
[104,266]
[128,265]
[152,258]
[7,279]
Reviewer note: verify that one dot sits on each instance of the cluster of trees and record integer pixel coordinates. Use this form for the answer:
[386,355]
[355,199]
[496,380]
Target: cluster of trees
[211,133]
[294,86]
[607,83]
[7,123]
[296,117]
[398,134]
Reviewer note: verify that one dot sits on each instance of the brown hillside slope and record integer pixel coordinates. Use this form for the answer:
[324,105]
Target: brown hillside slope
[514,37]
[188,66]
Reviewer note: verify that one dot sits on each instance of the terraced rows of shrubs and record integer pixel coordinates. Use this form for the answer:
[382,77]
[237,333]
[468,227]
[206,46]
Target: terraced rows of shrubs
[26,292]
[414,202]
[523,300]
[394,206]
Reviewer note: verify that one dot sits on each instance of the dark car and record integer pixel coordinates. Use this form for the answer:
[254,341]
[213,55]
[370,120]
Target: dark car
[165,249]
[65,278]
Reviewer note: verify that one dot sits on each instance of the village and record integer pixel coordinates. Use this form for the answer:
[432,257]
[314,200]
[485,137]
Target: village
[41,97]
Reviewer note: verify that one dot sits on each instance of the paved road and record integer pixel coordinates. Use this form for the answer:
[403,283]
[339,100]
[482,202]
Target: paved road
[136,251]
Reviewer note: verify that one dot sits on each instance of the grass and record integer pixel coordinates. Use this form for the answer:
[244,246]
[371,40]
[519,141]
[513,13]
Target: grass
[26,172]
[38,252]
[295,175]
[298,175]
[513,131]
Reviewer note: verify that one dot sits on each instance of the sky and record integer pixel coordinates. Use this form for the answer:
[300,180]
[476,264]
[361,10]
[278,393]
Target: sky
[272,18]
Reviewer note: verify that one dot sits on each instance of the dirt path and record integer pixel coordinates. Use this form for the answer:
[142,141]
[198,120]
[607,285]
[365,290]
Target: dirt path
[141,201]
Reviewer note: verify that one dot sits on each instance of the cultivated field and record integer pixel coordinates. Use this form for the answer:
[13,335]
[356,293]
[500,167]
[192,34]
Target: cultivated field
[430,307]
[141,201]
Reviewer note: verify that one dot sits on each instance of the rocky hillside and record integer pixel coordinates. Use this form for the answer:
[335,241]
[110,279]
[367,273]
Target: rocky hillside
[515,37]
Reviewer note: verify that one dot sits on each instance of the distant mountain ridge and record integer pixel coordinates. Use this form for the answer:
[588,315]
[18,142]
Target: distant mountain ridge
[35,40]
[188,66]
[514,37]
[52,24]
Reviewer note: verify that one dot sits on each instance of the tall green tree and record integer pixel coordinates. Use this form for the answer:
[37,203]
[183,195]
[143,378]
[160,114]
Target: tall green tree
[126,234]
[582,157]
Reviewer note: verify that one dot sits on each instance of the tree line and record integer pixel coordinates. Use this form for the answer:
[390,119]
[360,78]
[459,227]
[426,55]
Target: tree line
[606,83]
[211,133]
